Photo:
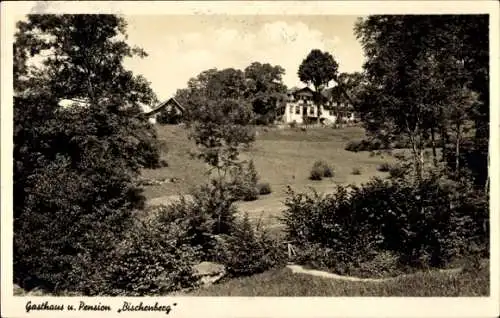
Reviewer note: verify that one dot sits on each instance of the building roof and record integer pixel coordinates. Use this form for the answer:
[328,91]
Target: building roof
[296,90]
[161,106]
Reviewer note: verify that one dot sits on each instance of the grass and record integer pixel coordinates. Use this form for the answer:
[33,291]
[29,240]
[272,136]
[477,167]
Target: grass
[356,171]
[282,156]
[282,282]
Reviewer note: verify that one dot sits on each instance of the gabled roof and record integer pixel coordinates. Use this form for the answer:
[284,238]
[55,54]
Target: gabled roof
[164,104]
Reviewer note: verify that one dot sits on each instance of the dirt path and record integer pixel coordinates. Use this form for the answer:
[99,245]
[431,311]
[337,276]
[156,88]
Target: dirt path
[297,269]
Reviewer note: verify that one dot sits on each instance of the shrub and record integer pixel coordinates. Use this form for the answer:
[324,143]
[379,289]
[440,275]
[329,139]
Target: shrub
[293,124]
[327,171]
[319,170]
[382,264]
[250,250]
[217,202]
[154,259]
[367,145]
[264,188]
[385,167]
[244,182]
[91,204]
[316,174]
[74,167]
[356,171]
[353,146]
[427,224]
[397,171]
[199,219]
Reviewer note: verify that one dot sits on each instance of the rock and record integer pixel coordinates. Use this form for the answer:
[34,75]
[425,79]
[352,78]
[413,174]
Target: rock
[208,268]
[209,272]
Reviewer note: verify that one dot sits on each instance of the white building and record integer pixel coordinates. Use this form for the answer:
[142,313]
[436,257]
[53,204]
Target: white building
[300,107]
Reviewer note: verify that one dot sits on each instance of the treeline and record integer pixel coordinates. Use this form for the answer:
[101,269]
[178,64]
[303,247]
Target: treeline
[79,223]
[425,86]
[258,88]
[426,81]
[75,168]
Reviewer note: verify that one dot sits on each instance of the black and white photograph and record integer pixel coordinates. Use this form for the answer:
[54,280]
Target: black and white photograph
[314,153]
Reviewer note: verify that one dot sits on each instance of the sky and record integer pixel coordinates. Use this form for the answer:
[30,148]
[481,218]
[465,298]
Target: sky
[181,47]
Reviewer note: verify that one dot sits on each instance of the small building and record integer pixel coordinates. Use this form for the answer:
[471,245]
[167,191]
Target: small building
[301,108]
[170,106]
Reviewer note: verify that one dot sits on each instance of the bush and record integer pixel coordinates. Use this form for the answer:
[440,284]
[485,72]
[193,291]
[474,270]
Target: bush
[91,204]
[385,167]
[264,188]
[211,211]
[316,174]
[327,171]
[397,171]
[424,225]
[319,170]
[155,258]
[382,264]
[353,146]
[293,124]
[250,250]
[367,145]
[244,182]
[356,171]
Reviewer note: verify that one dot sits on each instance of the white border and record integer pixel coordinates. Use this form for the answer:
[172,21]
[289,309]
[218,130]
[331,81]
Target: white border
[258,306]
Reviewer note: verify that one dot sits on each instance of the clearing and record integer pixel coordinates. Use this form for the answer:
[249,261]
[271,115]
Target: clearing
[282,157]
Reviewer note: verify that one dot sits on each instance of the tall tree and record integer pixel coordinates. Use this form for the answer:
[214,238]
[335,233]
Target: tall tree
[74,167]
[319,69]
[349,90]
[265,89]
[415,73]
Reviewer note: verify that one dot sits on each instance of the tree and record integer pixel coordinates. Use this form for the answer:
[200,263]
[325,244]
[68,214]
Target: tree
[472,52]
[265,89]
[416,77]
[259,84]
[211,85]
[75,167]
[319,69]
[349,90]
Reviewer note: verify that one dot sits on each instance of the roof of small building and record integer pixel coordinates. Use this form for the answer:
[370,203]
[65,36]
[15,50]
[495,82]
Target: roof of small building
[162,105]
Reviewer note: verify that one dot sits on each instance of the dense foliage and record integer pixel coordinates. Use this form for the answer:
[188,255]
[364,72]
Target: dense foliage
[74,166]
[250,250]
[318,68]
[320,170]
[259,86]
[426,78]
[428,225]
[156,257]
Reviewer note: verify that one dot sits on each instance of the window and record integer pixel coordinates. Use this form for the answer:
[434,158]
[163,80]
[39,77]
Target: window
[297,109]
[291,109]
[331,112]
[311,110]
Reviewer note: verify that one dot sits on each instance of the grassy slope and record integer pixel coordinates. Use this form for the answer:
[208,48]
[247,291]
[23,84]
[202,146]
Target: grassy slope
[283,283]
[282,157]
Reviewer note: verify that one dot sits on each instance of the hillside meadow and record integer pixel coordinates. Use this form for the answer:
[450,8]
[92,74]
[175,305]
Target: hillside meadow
[282,156]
